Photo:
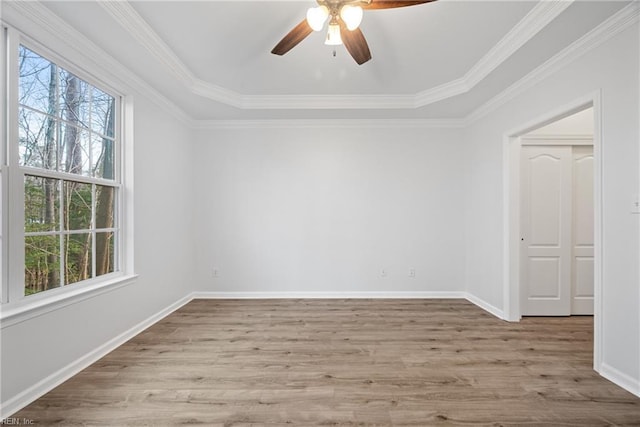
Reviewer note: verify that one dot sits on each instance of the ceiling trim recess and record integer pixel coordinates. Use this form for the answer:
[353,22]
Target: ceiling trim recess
[36,21]
[608,29]
[137,27]
[612,26]
[538,18]
[535,21]
[329,124]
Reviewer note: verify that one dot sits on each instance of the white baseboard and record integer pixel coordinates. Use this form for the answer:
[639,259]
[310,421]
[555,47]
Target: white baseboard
[485,306]
[327,295]
[621,379]
[29,395]
[353,295]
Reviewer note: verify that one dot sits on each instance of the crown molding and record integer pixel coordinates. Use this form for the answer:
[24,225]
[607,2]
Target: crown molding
[614,25]
[136,26]
[36,21]
[577,139]
[324,102]
[329,124]
[538,18]
[533,22]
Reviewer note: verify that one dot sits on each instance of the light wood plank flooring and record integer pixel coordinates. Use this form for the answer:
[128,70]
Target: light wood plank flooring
[344,362]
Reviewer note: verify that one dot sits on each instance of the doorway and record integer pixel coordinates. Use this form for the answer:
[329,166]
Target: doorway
[512,210]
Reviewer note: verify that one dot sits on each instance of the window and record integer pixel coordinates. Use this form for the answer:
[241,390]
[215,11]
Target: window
[64,178]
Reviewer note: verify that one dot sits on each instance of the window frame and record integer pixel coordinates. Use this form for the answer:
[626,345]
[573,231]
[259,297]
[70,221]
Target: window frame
[14,304]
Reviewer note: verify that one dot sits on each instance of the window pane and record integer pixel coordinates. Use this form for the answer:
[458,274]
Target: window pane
[75,149]
[74,99]
[77,257]
[41,204]
[77,205]
[37,87]
[65,126]
[104,253]
[102,110]
[105,198]
[41,263]
[102,156]
[37,139]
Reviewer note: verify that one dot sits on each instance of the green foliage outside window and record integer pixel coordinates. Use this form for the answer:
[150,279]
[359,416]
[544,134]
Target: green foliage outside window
[66,129]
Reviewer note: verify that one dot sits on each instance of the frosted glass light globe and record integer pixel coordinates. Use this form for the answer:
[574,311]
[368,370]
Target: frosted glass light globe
[316,17]
[351,15]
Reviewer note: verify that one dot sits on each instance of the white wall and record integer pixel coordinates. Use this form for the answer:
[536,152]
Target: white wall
[325,208]
[578,124]
[611,68]
[38,348]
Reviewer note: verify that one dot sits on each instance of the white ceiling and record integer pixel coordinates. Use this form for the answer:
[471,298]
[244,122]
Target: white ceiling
[436,60]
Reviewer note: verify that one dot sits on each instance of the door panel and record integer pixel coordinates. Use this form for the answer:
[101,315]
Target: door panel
[582,276]
[545,205]
[546,230]
[544,275]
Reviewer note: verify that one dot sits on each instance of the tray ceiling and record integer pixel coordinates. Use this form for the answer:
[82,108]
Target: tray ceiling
[436,60]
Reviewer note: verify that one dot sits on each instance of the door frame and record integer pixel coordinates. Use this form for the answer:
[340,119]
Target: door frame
[511,211]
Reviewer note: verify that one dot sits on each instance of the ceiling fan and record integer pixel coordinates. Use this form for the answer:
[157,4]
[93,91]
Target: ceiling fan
[344,19]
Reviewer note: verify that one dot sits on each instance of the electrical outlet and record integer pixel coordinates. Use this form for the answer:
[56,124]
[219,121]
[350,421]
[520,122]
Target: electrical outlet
[412,272]
[215,272]
[383,273]
[635,204]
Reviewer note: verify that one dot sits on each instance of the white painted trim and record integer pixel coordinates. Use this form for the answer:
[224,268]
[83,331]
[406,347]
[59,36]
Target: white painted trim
[328,295]
[39,23]
[532,139]
[29,395]
[614,25]
[133,23]
[511,209]
[535,21]
[4,199]
[489,308]
[621,379]
[55,299]
[353,295]
[598,235]
[328,124]
[638,192]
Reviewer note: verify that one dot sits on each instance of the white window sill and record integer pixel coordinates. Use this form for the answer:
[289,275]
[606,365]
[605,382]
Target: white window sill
[39,304]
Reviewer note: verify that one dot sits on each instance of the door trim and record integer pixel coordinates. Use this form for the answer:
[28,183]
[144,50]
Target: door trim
[512,143]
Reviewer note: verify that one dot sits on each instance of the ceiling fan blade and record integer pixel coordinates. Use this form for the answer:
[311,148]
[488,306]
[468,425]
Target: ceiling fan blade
[391,4]
[295,36]
[355,43]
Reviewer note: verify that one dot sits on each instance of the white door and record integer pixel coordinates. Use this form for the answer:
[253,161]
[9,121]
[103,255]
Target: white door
[582,256]
[557,230]
[546,230]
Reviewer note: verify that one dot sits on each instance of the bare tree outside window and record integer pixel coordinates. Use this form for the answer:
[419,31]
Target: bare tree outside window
[66,129]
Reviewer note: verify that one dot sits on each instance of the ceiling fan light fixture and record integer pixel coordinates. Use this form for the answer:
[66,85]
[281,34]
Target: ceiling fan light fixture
[351,15]
[333,35]
[316,17]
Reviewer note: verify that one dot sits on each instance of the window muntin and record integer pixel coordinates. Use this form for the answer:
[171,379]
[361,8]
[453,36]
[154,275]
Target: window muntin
[67,150]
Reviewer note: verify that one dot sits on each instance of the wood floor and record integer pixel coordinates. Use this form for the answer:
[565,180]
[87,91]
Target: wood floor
[344,362]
